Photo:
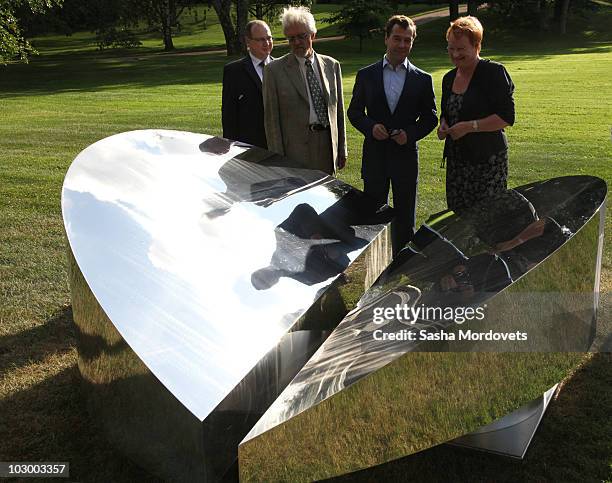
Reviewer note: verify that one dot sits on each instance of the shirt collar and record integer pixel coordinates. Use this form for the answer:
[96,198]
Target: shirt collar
[386,62]
[256,61]
[302,60]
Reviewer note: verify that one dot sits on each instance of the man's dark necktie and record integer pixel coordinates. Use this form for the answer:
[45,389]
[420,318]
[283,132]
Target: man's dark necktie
[320,106]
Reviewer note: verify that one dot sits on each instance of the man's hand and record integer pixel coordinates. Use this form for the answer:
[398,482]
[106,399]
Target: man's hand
[400,137]
[341,161]
[442,129]
[379,132]
[457,131]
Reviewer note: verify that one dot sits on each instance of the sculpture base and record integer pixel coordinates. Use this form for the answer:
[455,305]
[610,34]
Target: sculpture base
[512,434]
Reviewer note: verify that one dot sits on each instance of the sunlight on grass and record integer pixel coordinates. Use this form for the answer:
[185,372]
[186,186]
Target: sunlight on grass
[73,95]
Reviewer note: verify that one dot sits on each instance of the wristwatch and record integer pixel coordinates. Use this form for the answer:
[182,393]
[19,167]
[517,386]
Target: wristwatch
[475,125]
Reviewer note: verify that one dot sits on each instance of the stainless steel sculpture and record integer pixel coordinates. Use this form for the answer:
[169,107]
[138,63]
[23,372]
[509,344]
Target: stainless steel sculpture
[207,277]
[204,274]
[531,256]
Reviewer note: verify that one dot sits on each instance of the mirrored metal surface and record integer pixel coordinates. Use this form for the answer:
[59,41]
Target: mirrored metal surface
[529,259]
[206,274]
[209,271]
[512,434]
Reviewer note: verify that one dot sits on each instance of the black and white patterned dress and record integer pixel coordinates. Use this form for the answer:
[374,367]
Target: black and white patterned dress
[470,181]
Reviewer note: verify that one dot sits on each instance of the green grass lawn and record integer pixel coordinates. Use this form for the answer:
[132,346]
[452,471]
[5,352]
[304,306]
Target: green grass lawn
[60,103]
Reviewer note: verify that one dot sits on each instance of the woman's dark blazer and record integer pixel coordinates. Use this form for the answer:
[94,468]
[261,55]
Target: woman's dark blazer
[489,92]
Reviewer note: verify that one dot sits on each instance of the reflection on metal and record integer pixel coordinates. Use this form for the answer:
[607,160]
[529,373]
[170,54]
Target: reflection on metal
[218,292]
[529,257]
[512,434]
[204,274]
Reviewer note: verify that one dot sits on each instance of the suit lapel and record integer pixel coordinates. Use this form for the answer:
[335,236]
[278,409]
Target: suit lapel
[324,78]
[292,68]
[380,86]
[250,68]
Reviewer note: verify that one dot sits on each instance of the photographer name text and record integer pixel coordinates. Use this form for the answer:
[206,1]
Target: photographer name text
[442,335]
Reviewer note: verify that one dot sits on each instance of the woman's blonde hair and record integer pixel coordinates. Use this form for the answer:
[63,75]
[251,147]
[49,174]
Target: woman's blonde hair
[469,26]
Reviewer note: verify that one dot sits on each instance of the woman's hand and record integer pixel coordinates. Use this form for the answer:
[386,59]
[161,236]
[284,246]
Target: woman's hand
[457,131]
[442,129]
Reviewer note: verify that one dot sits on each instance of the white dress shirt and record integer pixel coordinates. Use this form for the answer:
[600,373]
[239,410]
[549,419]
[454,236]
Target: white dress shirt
[258,67]
[393,80]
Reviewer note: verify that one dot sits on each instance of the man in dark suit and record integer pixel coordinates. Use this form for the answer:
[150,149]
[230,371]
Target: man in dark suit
[393,106]
[242,112]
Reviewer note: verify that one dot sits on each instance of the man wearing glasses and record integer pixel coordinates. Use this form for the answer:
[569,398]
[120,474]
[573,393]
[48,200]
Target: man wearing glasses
[303,99]
[393,106]
[242,110]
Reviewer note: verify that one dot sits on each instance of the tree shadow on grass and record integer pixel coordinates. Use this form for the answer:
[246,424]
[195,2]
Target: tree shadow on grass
[48,422]
[56,335]
[573,443]
[92,72]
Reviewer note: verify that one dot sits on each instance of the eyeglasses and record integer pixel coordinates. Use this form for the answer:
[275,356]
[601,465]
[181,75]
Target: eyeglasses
[300,37]
[261,39]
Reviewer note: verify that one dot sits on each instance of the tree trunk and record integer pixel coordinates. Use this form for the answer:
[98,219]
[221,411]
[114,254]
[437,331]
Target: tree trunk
[564,15]
[557,10]
[168,21]
[472,7]
[222,8]
[453,9]
[542,14]
[242,17]
[168,42]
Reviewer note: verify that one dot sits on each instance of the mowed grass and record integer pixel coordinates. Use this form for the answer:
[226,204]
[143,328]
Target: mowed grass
[57,105]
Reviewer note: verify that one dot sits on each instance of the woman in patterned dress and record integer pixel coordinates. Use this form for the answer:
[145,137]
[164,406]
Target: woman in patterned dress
[477,104]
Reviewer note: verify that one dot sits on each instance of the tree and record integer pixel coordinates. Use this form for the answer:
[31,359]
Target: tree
[361,18]
[13,44]
[564,9]
[472,7]
[269,10]
[72,16]
[265,9]
[233,33]
[234,22]
[163,15]
[453,9]
[536,14]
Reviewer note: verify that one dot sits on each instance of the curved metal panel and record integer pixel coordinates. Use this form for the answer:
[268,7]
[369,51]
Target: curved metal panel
[531,257]
[204,274]
[208,275]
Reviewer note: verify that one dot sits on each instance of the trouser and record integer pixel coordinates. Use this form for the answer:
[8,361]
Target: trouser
[404,204]
[320,154]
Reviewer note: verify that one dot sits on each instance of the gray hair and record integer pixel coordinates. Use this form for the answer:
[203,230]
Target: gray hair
[298,16]
[248,30]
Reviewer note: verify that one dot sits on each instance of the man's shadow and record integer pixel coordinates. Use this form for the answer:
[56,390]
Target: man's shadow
[310,248]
